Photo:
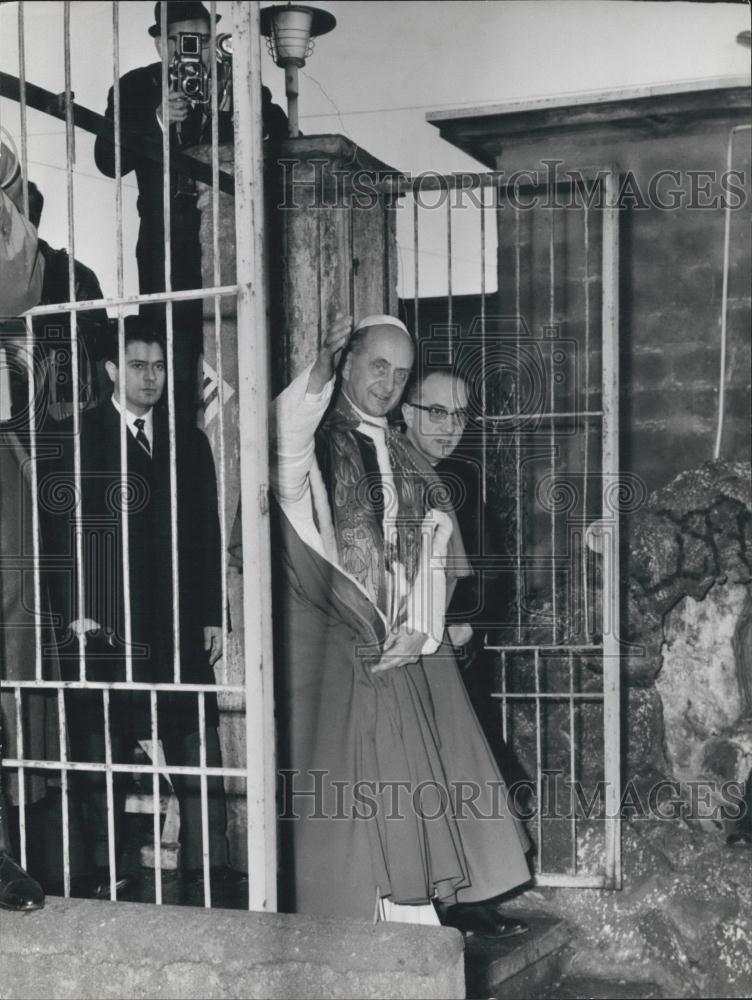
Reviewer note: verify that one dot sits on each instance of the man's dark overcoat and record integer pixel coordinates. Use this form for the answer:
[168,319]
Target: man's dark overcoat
[150,586]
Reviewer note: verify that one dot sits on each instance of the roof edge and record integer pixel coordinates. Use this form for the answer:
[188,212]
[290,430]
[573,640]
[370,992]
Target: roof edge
[590,97]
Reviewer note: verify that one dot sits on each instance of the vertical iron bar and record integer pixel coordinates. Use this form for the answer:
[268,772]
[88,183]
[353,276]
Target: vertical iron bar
[253,379]
[484,373]
[572,765]
[538,758]
[155,799]
[124,498]
[351,251]
[319,283]
[504,704]
[517,433]
[611,567]
[63,746]
[31,388]
[586,422]
[387,262]
[218,316]
[22,105]
[204,797]
[724,298]
[221,418]
[166,218]
[30,375]
[449,276]
[21,779]
[416,265]
[70,156]
[110,793]
[552,429]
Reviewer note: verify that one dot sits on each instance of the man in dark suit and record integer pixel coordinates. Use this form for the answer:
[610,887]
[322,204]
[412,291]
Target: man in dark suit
[142,111]
[149,596]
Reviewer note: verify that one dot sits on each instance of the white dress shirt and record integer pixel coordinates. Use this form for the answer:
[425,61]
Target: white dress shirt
[131,418]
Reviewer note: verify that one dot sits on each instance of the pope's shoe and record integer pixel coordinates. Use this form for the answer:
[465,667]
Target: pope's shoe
[18,891]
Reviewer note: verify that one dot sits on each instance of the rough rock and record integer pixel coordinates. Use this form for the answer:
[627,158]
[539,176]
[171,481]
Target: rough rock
[732,973]
[682,920]
[703,703]
[655,549]
[643,732]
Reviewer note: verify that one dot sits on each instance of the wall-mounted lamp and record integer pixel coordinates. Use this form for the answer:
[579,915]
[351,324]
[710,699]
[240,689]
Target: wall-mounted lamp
[290,30]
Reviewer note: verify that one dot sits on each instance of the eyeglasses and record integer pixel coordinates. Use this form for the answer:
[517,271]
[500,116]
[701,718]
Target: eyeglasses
[438,414]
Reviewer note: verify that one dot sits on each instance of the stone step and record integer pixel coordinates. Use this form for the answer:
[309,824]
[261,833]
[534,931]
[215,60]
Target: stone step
[80,949]
[588,988]
[519,967]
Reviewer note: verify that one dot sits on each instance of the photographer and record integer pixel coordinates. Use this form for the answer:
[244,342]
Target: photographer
[189,121]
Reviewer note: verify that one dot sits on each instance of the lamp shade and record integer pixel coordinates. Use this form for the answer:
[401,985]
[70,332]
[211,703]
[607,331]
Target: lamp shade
[290,30]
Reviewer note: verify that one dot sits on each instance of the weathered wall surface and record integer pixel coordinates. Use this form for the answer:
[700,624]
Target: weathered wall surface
[671,277]
[81,948]
[337,250]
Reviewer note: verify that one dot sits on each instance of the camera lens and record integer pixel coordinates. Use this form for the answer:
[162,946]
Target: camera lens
[191,85]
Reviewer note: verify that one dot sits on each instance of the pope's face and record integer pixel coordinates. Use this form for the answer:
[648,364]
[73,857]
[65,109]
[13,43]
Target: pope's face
[144,376]
[437,416]
[376,371]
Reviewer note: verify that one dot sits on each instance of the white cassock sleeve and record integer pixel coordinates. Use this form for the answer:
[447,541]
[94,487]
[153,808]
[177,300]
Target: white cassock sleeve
[294,418]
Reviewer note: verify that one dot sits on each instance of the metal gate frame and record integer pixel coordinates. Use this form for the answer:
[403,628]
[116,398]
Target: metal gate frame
[606,179]
[611,878]
[253,389]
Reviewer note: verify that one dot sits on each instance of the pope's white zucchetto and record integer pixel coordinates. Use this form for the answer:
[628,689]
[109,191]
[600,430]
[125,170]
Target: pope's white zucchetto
[382,320]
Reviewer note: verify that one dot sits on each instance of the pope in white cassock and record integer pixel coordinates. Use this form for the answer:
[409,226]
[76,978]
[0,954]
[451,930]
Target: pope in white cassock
[393,800]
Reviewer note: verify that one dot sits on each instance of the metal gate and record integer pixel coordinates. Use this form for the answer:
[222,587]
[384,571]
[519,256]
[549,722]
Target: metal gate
[541,359]
[238,300]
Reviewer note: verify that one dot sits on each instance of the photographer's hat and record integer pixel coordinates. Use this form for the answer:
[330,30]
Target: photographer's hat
[180,10]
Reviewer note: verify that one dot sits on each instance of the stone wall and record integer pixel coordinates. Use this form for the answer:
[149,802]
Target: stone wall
[82,948]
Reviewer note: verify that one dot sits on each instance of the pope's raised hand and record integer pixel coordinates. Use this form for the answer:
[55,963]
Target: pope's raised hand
[335,341]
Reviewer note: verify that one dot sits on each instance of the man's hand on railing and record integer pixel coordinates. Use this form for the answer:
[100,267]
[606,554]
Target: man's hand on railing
[213,642]
[83,625]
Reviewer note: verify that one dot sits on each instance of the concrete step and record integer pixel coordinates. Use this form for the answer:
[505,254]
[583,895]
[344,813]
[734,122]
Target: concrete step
[588,988]
[80,949]
[519,967]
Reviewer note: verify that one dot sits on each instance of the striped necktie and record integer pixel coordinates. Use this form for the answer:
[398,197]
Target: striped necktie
[141,436]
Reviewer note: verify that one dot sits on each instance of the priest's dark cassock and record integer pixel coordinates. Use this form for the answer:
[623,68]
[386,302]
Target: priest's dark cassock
[374,765]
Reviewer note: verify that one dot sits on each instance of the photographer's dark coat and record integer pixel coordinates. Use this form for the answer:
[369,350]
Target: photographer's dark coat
[140,96]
